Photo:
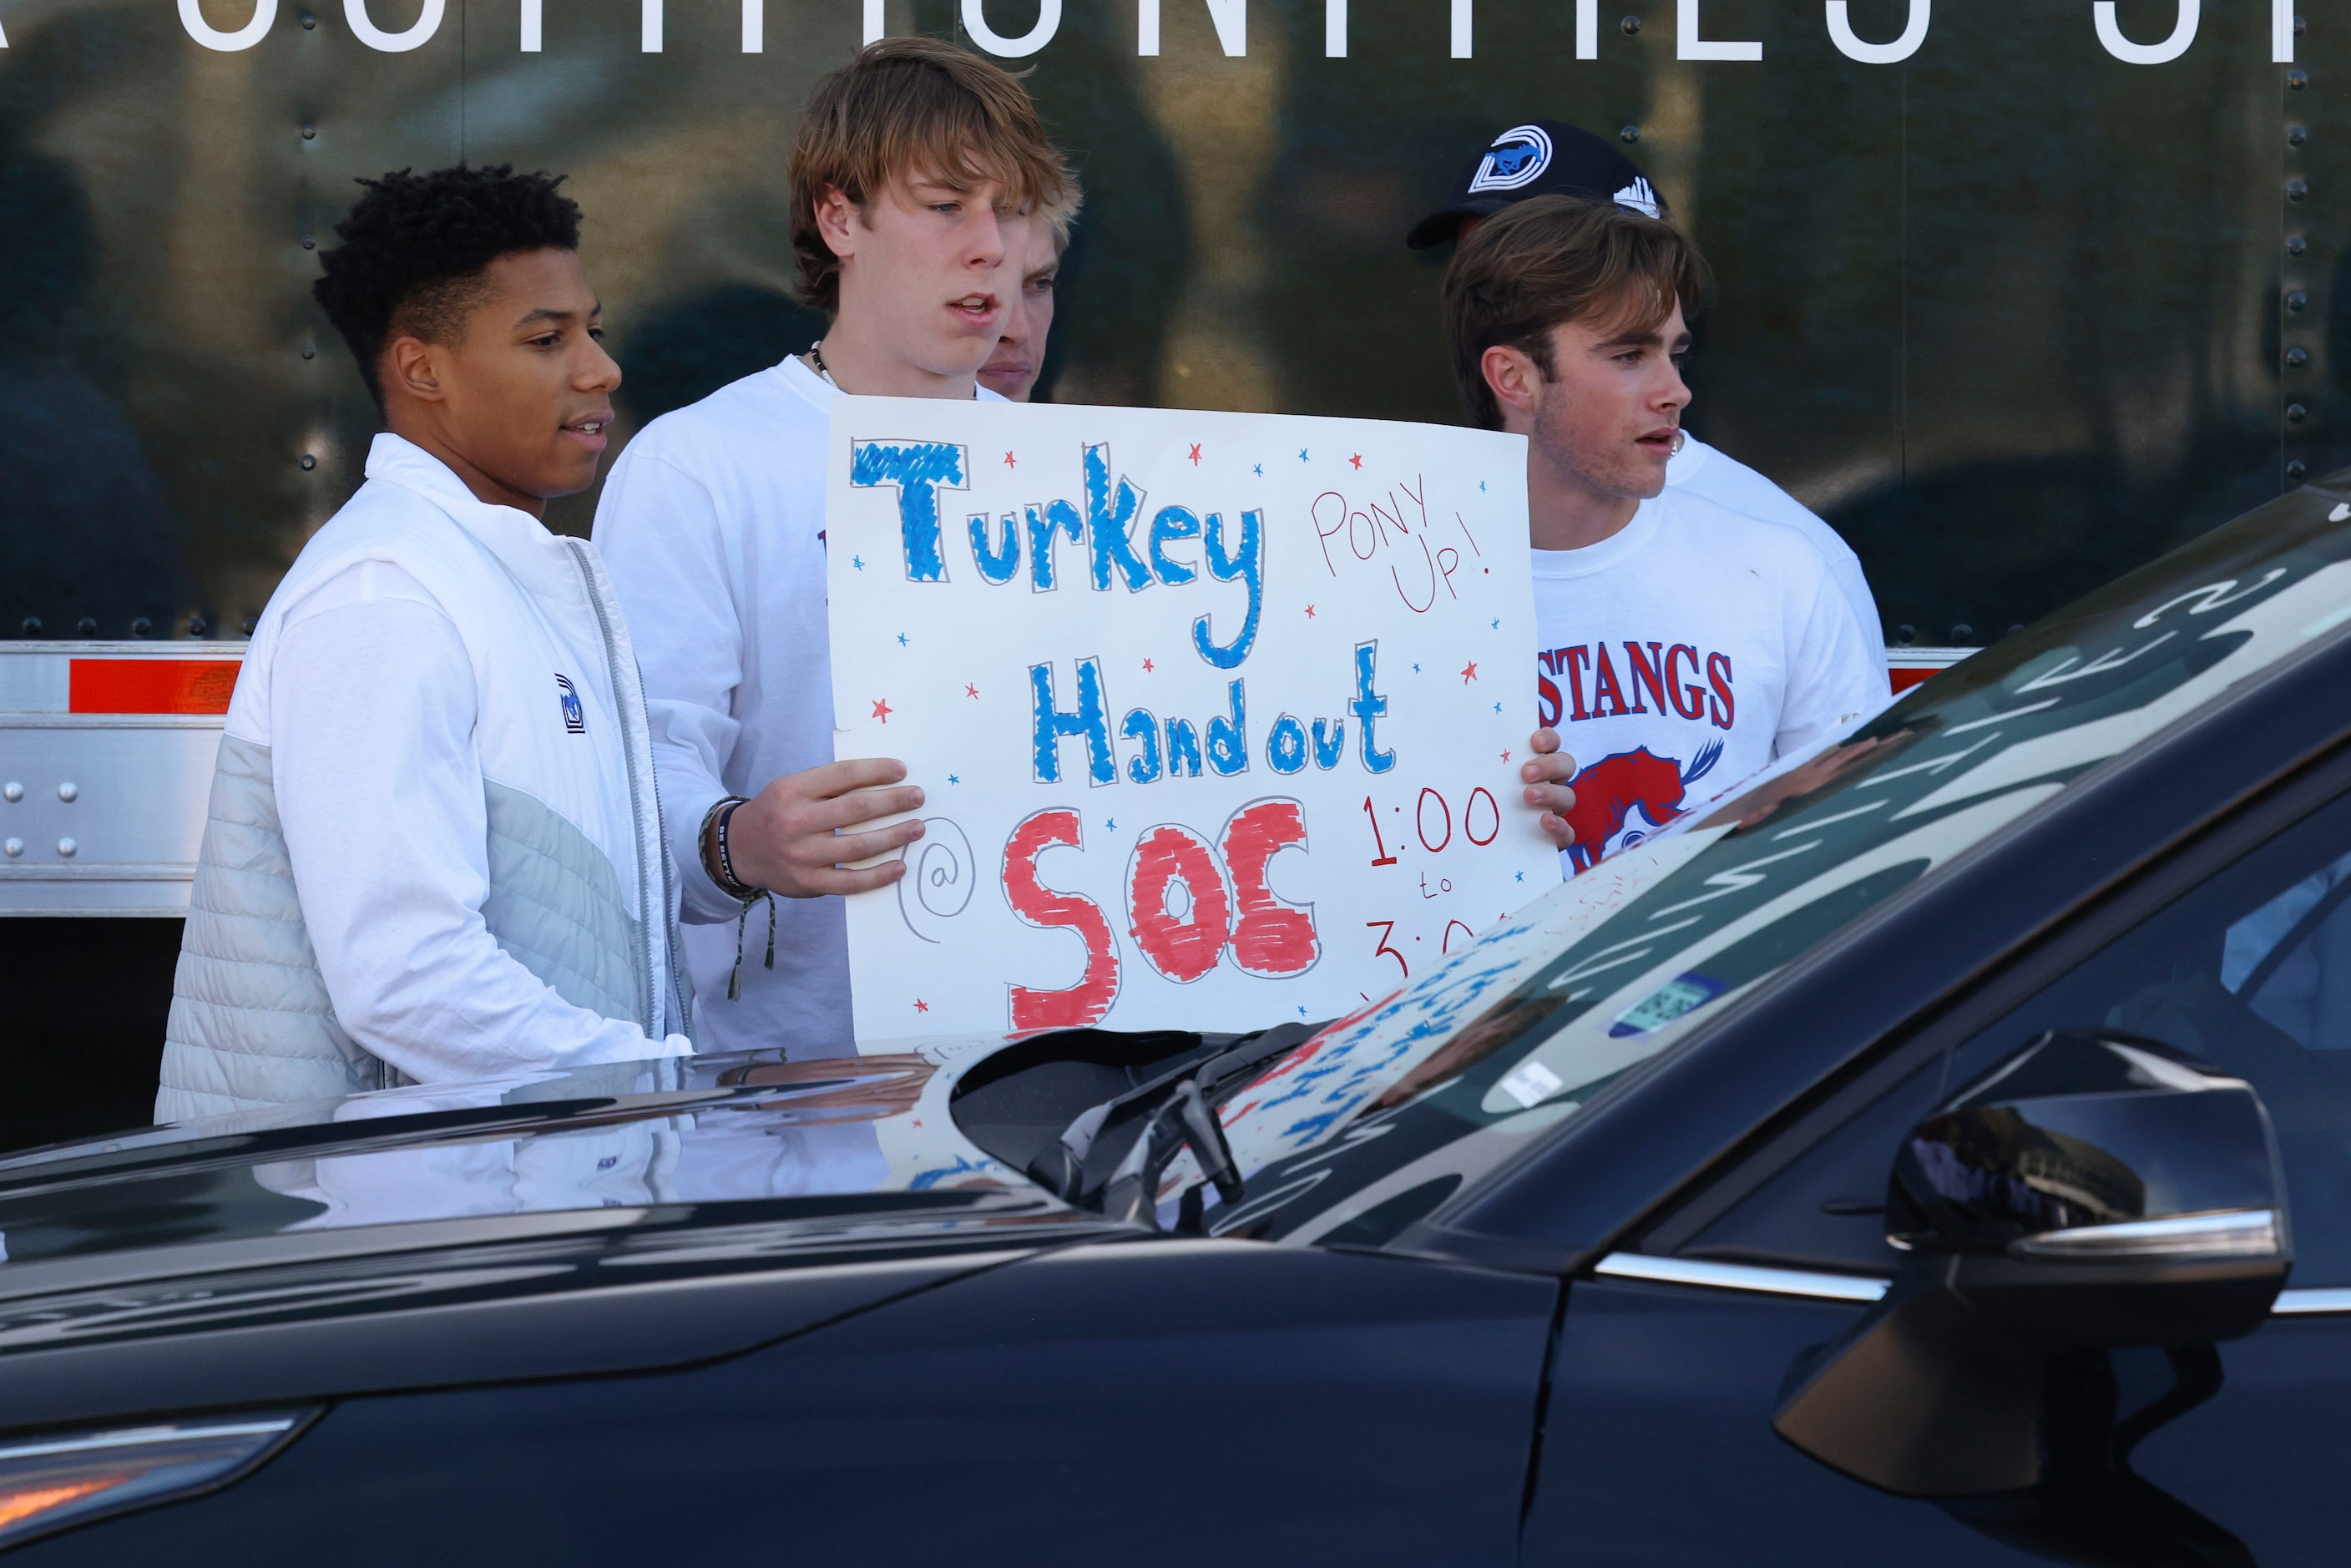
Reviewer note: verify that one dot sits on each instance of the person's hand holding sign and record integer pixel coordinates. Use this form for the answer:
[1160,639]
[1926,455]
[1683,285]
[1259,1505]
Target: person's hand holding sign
[1547,773]
[793,838]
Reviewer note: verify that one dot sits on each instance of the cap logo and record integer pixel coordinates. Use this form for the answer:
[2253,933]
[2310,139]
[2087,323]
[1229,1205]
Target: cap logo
[1639,198]
[1516,158]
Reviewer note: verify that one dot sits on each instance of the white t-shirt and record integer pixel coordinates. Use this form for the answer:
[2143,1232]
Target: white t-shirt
[712,524]
[1715,475]
[1682,655]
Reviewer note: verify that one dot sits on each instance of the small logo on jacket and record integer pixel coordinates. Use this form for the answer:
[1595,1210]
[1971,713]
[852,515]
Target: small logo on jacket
[574,719]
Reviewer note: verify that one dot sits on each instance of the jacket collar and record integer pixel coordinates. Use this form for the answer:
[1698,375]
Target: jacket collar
[515,537]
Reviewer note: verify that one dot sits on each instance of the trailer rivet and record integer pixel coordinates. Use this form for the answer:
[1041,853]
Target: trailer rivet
[309,133]
[2295,190]
[31,627]
[13,791]
[250,622]
[198,626]
[2297,299]
[2298,79]
[2297,357]
[1905,635]
[309,350]
[2296,246]
[86,627]
[67,849]
[2297,469]
[2295,135]
[2295,412]
[309,462]
[141,626]
[68,791]
[1631,24]
[1631,133]
[308,21]
[15,847]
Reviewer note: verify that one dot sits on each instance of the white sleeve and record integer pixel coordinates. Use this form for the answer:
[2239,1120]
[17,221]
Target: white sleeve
[379,796]
[659,530]
[1833,684]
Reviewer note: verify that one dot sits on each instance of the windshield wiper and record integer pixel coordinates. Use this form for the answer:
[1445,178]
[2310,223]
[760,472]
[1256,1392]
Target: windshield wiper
[1112,1157]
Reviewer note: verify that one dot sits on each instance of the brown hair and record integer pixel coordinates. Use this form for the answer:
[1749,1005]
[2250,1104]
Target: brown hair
[1544,261]
[908,107]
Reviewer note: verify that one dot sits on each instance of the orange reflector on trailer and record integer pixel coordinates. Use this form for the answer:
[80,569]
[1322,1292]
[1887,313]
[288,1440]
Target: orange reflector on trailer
[151,685]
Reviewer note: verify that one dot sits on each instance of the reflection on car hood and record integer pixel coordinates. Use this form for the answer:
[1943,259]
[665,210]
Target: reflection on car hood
[841,1136]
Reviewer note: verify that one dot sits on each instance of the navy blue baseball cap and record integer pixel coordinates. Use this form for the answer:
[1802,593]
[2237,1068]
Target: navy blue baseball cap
[1540,158]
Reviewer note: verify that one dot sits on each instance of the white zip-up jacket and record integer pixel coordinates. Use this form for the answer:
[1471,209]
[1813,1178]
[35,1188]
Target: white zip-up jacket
[433,850]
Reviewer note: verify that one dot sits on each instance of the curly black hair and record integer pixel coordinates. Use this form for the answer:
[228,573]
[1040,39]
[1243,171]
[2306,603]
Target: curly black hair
[416,247]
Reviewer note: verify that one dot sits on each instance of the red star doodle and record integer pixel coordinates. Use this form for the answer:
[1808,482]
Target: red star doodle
[882,709]
[1506,757]
[969,690]
[1469,673]
[1310,612]
[1357,460]
[1010,462]
[1196,454]
[1147,666]
[921,1006]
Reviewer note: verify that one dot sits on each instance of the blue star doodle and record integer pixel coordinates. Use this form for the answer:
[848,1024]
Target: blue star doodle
[1523,876]
[1498,624]
[952,780]
[1110,825]
[858,561]
[1301,454]
[1497,708]
[902,639]
[1259,469]
[1481,483]
[1415,669]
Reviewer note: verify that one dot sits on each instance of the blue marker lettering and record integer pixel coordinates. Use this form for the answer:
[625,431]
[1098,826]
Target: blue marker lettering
[1143,728]
[919,471]
[1107,522]
[1330,745]
[1183,750]
[1248,564]
[1228,736]
[1285,745]
[1089,722]
[1042,523]
[1171,523]
[1370,706]
[996,565]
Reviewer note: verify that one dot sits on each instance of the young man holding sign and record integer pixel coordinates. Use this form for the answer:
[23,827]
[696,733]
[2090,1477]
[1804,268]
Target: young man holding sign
[1681,645]
[919,172]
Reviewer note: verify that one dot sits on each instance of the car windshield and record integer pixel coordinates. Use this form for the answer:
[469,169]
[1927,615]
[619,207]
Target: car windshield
[1515,1031]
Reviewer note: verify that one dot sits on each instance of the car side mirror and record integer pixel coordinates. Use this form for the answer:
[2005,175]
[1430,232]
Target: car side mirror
[2094,1191]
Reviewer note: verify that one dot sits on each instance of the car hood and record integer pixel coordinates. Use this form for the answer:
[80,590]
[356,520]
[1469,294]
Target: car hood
[861,1135]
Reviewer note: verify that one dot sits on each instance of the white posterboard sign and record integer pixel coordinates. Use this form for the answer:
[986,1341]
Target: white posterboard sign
[1219,717]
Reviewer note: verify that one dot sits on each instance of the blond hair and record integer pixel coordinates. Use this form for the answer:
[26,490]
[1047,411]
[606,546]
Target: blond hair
[908,107]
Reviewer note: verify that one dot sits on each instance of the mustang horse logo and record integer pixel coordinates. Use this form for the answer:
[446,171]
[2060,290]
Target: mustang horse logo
[1607,792]
[1517,157]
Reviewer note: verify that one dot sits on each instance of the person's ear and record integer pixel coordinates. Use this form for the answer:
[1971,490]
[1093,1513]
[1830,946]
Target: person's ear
[1513,377]
[413,366]
[836,220]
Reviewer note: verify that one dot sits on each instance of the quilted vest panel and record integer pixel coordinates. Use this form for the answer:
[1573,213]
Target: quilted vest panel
[251,1023]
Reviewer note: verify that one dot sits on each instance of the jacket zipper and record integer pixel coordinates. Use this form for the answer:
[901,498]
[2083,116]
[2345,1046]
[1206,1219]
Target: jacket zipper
[652,1000]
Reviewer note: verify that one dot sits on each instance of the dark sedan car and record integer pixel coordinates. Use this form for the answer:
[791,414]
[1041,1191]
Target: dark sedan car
[1903,1162]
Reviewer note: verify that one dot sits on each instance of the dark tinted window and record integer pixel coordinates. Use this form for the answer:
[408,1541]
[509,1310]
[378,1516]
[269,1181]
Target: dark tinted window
[2252,971]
